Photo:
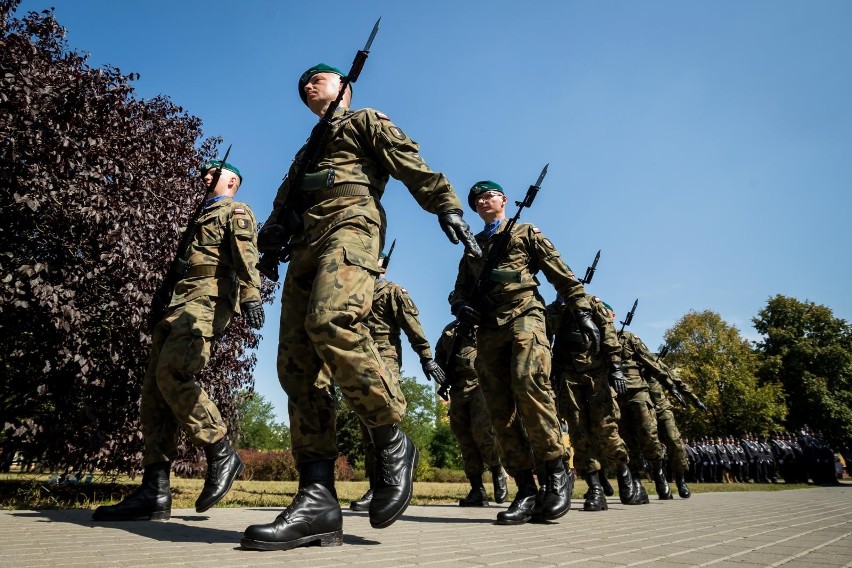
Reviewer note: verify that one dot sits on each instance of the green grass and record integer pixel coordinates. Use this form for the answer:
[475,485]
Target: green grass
[32,491]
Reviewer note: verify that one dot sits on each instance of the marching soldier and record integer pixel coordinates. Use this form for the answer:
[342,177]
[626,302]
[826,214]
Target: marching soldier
[327,295]
[221,281]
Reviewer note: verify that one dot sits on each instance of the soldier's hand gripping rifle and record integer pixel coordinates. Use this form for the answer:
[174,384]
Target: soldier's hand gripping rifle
[163,296]
[276,240]
[478,297]
[590,271]
[629,318]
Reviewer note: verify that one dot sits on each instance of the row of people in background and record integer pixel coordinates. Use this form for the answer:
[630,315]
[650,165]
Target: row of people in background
[794,458]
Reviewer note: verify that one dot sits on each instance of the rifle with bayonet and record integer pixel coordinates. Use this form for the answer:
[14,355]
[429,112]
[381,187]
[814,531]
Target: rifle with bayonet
[629,318]
[163,296]
[288,223]
[387,258]
[590,271]
[673,390]
[478,296]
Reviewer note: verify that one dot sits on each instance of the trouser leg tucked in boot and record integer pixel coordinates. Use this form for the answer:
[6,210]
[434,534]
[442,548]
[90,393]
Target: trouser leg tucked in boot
[521,509]
[223,467]
[396,460]
[477,496]
[682,488]
[559,485]
[501,483]
[363,504]
[630,491]
[595,499]
[313,517]
[150,502]
[660,482]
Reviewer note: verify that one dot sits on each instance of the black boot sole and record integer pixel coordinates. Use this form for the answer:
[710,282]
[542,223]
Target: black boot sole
[158,516]
[508,522]
[359,506]
[334,538]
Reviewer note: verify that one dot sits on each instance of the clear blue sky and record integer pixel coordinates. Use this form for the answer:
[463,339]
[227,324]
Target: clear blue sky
[705,147]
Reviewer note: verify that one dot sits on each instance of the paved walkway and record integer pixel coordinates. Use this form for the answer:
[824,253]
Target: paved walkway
[798,528]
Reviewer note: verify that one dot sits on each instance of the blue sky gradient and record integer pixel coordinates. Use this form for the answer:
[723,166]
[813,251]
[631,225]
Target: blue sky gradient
[703,146]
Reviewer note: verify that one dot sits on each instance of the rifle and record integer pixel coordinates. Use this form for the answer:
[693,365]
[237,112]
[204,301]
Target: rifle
[479,293]
[290,217]
[629,318]
[590,271]
[388,256]
[163,296]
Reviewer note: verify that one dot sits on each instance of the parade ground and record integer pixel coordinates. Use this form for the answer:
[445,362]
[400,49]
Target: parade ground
[798,528]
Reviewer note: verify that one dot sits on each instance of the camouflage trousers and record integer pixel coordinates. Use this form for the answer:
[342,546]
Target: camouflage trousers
[171,398]
[513,365]
[471,424]
[638,427]
[586,403]
[327,294]
[670,437]
[391,360]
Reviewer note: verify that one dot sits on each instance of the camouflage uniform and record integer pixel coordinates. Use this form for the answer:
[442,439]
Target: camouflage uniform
[585,399]
[328,290]
[666,425]
[513,359]
[638,421]
[468,411]
[393,311]
[221,275]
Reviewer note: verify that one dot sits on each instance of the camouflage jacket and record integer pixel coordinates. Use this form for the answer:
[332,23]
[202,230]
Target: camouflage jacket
[514,289]
[637,361]
[572,351]
[365,149]
[461,370]
[223,256]
[394,311]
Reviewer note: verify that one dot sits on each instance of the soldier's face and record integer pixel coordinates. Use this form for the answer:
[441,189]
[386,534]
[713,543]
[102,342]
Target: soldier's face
[490,204]
[322,89]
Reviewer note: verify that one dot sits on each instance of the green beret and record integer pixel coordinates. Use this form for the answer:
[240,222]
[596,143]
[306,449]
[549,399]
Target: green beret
[481,187]
[306,76]
[225,166]
[607,306]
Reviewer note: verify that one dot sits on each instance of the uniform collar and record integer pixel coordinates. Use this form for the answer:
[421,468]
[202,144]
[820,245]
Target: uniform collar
[211,201]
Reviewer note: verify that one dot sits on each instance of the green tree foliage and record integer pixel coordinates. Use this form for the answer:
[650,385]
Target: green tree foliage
[95,185]
[720,366]
[444,448]
[258,429]
[809,351]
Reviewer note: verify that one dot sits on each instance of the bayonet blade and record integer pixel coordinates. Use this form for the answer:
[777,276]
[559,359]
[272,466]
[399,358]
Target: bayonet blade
[372,36]
[541,176]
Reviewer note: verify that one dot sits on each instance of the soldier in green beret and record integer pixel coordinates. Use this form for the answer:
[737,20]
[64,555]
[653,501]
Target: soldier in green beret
[513,358]
[328,293]
[222,280]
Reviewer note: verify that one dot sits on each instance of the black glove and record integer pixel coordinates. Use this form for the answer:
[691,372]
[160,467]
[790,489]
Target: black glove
[588,328]
[253,313]
[457,230]
[432,370]
[271,238]
[616,378]
[466,314]
[700,406]
[676,394]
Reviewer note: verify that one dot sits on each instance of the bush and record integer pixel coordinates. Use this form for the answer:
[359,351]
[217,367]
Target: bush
[281,466]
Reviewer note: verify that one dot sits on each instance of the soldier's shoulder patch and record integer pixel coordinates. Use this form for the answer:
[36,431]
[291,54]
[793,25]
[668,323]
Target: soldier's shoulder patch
[596,299]
[404,291]
[536,230]
[243,223]
[382,115]
[239,211]
[397,133]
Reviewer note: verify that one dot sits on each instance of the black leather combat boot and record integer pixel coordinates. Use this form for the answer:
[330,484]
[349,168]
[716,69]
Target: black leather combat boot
[363,504]
[313,517]
[477,496]
[223,467]
[660,482]
[396,460]
[594,497]
[521,509]
[150,502]
[605,484]
[682,488]
[630,490]
[559,485]
[501,483]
